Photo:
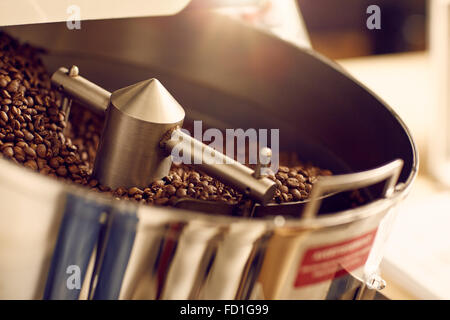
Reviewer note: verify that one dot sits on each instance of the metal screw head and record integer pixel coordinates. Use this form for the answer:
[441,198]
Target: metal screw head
[265,154]
[74,71]
[263,161]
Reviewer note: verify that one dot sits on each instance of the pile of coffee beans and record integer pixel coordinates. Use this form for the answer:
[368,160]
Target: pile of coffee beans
[295,183]
[34,133]
[32,122]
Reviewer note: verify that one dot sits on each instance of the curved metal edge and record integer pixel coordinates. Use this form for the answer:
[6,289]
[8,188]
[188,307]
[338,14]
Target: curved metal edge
[352,181]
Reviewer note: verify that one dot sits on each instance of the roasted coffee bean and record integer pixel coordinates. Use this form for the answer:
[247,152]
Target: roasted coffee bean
[292,183]
[120,191]
[158,184]
[31,164]
[93,183]
[19,153]
[54,163]
[28,135]
[13,86]
[30,152]
[18,134]
[194,177]
[41,163]
[283,169]
[134,190]
[104,188]
[73,169]
[8,152]
[282,176]
[296,194]
[62,171]
[170,189]
[181,192]
[4,116]
[41,150]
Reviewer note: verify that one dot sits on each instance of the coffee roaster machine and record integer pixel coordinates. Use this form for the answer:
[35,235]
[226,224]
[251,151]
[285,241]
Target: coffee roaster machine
[230,74]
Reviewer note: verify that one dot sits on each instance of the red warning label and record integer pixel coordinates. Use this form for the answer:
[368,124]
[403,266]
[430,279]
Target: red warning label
[335,260]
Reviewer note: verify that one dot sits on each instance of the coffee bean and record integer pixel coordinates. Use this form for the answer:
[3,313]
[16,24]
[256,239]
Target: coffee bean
[28,135]
[170,189]
[292,183]
[54,163]
[41,163]
[104,188]
[19,153]
[62,171]
[308,187]
[4,116]
[181,193]
[161,201]
[134,190]
[283,169]
[31,164]
[19,134]
[282,176]
[296,194]
[158,184]
[93,183]
[41,150]
[8,152]
[120,191]
[30,152]
[194,177]
[73,169]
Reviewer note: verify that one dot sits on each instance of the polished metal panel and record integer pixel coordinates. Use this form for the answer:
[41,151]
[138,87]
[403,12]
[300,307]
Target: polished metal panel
[230,76]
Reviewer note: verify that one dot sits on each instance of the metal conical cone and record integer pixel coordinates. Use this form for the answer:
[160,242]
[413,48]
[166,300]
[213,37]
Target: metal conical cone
[149,101]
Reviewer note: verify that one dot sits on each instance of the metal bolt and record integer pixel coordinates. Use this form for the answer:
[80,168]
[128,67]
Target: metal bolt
[74,71]
[263,161]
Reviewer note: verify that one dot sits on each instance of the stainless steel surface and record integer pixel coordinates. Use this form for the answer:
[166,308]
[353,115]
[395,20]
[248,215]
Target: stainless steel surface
[75,86]
[129,153]
[222,167]
[222,72]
